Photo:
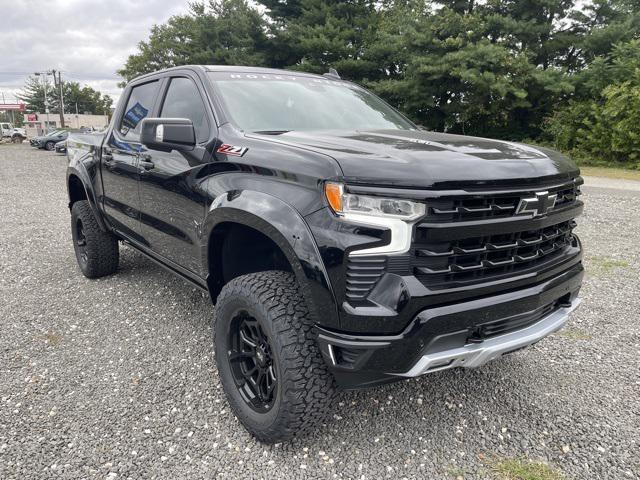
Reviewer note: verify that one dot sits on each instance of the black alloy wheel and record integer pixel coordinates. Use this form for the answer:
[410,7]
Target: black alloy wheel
[81,244]
[252,363]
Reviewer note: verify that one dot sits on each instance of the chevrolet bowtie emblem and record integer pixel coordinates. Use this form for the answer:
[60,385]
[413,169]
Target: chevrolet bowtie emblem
[537,206]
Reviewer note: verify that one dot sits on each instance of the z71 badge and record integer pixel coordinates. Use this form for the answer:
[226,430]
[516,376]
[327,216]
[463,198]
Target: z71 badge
[232,150]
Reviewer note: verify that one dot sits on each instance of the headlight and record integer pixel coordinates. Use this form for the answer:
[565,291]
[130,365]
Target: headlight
[344,203]
[392,213]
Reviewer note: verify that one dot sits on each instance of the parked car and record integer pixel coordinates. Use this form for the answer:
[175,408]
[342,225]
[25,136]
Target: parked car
[6,129]
[61,146]
[16,134]
[343,246]
[49,141]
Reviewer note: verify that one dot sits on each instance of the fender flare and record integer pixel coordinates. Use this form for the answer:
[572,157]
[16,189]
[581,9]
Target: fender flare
[79,170]
[284,225]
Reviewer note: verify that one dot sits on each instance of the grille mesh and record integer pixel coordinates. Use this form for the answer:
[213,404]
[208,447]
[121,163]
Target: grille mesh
[488,256]
[459,209]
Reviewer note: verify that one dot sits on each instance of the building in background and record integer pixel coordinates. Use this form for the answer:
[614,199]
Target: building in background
[37,124]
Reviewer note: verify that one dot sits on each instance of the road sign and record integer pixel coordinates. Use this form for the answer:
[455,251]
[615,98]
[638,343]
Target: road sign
[13,106]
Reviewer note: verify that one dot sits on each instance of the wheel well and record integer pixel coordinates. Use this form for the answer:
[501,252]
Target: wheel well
[76,190]
[236,249]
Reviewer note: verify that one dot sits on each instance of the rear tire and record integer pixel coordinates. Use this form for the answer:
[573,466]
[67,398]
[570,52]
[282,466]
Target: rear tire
[262,325]
[96,250]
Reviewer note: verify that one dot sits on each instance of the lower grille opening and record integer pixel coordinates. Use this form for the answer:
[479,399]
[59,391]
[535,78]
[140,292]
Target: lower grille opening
[484,331]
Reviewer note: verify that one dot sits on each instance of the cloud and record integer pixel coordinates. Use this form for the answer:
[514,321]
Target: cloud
[87,40]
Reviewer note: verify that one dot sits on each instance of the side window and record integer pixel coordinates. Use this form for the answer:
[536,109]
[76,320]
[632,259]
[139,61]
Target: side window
[184,101]
[138,107]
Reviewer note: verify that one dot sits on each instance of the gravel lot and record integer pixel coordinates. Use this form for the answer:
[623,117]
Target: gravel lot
[115,378]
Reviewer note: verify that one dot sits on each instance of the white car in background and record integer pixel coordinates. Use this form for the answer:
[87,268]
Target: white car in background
[16,134]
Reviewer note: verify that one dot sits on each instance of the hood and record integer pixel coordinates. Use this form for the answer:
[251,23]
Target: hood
[415,158]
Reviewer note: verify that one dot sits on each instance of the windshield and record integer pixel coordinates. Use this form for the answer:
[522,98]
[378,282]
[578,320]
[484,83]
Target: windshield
[278,103]
[56,132]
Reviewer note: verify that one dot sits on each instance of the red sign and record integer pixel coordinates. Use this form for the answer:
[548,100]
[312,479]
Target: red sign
[13,106]
[32,117]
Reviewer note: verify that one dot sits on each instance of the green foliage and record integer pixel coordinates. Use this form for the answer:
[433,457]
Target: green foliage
[602,124]
[554,71]
[86,98]
[221,33]
[517,469]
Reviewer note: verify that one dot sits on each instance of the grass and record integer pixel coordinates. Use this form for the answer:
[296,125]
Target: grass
[610,172]
[53,339]
[456,472]
[604,264]
[574,334]
[516,469]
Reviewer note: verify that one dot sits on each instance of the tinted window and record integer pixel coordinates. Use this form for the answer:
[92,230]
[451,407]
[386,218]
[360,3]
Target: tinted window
[184,101]
[138,107]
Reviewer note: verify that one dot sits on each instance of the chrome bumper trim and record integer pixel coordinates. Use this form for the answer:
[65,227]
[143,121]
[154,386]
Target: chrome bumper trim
[477,354]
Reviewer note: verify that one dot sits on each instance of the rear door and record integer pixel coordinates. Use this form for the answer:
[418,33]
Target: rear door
[120,160]
[172,210]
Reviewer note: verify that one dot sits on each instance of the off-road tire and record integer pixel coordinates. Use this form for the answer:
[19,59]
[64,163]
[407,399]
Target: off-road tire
[99,255]
[305,387]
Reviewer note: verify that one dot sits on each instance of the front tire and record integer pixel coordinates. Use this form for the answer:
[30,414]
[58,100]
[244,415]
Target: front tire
[96,250]
[268,360]
[49,146]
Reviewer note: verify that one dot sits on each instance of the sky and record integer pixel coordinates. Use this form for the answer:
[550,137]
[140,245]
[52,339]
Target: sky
[88,40]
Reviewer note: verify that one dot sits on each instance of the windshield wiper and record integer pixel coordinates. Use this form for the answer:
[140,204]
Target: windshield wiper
[271,132]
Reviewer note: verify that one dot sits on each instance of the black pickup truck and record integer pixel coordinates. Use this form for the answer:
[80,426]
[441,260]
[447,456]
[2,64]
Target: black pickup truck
[342,245]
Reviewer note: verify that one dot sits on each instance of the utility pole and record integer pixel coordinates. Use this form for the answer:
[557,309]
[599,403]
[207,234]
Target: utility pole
[58,83]
[46,102]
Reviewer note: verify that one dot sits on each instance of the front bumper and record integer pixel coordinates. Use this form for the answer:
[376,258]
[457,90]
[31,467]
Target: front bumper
[465,334]
[477,354]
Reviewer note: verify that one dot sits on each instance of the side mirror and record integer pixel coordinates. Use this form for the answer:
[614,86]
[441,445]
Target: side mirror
[166,134]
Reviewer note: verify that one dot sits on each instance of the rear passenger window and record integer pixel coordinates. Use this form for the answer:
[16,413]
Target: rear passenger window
[184,101]
[138,107]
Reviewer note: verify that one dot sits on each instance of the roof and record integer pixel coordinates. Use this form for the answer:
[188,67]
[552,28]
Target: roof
[233,68]
[264,70]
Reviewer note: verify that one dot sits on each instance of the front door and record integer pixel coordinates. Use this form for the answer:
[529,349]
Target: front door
[120,152]
[171,209]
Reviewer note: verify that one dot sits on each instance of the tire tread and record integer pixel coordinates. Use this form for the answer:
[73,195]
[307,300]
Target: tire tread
[308,386]
[102,247]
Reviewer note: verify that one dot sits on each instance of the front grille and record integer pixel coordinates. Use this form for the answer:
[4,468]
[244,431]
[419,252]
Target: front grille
[470,238]
[362,275]
[500,205]
[490,256]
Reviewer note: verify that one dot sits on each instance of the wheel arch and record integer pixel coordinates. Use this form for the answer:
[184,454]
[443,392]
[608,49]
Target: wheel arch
[280,224]
[79,187]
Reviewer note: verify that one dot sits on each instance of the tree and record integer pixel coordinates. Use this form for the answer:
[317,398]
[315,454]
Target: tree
[602,123]
[221,33]
[499,68]
[33,95]
[86,98]
[478,68]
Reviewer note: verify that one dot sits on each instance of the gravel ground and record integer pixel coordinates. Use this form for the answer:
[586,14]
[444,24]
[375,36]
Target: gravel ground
[115,378]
